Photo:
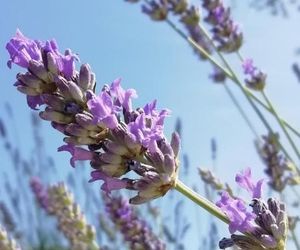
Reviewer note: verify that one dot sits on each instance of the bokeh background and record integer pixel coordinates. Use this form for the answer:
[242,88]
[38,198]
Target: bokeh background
[117,40]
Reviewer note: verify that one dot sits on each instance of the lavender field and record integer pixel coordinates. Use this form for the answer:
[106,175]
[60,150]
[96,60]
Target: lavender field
[150,125]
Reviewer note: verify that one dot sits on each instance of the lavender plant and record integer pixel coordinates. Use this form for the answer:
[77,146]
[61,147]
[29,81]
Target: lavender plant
[127,147]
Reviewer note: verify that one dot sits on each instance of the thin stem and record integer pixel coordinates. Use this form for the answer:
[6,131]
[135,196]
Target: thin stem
[94,246]
[201,201]
[243,114]
[246,93]
[281,124]
[294,237]
[229,74]
[226,72]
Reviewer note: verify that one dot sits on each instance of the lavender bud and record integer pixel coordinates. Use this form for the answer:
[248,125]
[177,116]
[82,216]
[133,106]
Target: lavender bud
[76,130]
[84,76]
[114,170]
[85,121]
[52,64]
[169,165]
[111,158]
[115,148]
[27,90]
[175,143]
[38,69]
[29,80]
[54,101]
[191,17]
[51,115]
[80,140]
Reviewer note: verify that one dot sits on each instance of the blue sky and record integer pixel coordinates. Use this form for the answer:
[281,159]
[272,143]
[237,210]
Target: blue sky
[118,41]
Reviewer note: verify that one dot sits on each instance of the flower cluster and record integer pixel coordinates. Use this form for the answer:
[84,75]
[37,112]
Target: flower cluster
[225,31]
[58,201]
[71,220]
[135,230]
[7,243]
[188,14]
[265,227]
[103,128]
[280,170]
[40,192]
[256,79]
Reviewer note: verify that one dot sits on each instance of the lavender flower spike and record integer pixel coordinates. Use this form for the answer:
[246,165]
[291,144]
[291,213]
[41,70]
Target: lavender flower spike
[104,129]
[7,243]
[135,230]
[265,226]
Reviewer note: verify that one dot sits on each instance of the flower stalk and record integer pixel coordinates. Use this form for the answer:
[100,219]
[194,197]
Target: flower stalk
[201,201]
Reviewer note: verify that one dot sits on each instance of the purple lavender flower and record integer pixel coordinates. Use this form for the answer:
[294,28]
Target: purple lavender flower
[225,31]
[156,9]
[123,97]
[266,225]
[256,79]
[135,230]
[40,192]
[103,110]
[236,210]
[244,180]
[147,128]
[22,50]
[78,154]
[117,139]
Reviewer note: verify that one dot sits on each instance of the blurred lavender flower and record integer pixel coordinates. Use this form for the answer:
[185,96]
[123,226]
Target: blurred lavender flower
[209,178]
[71,221]
[40,192]
[265,226]
[135,231]
[7,243]
[225,31]
[257,79]
[281,171]
[157,10]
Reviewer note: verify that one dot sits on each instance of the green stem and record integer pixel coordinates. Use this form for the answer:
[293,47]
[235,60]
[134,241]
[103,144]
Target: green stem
[281,124]
[246,93]
[207,55]
[294,237]
[201,201]
[226,72]
[243,114]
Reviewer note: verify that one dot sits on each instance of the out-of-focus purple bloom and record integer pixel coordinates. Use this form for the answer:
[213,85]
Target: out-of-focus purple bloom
[225,31]
[248,66]
[135,230]
[40,192]
[244,179]
[78,154]
[256,79]
[156,9]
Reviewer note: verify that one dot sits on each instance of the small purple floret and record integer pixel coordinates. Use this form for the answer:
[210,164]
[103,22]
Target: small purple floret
[78,154]
[245,181]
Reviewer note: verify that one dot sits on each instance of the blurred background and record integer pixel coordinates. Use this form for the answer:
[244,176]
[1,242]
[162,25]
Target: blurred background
[117,40]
